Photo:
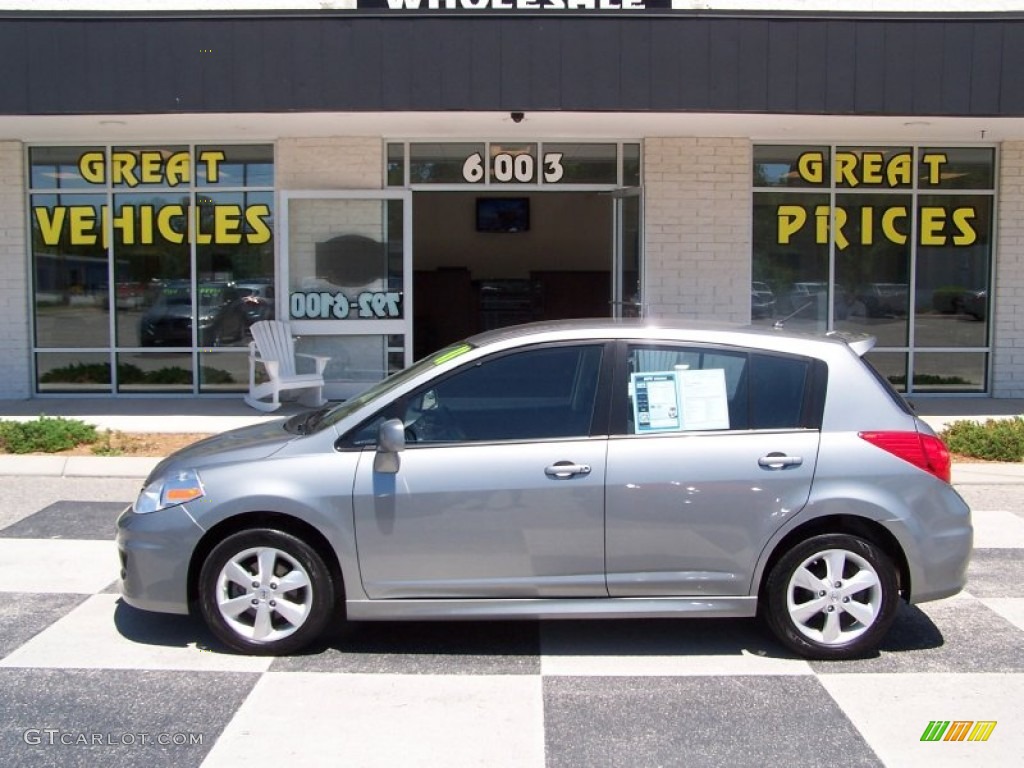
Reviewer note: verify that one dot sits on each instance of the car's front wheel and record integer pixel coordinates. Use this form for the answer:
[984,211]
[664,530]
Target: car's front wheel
[265,592]
[832,596]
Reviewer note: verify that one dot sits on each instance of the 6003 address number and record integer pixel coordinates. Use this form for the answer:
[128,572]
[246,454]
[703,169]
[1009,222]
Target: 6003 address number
[324,305]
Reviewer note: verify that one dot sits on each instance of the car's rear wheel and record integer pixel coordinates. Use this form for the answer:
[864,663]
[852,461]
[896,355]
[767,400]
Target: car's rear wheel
[265,592]
[833,596]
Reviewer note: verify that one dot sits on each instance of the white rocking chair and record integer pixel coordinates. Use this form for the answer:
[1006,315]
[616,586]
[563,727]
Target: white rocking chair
[274,347]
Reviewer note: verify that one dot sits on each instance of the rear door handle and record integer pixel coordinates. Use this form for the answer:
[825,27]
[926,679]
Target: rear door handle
[779,461]
[562,470]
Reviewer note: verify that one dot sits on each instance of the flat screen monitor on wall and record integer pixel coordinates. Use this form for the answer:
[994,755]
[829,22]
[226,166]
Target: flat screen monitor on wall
[502,214]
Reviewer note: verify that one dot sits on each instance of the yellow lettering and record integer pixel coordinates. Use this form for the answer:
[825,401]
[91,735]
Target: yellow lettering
[791,219]
[899,169]
[82,224]
[889,217]
[934,161]
[164,225]
[50,223]
[933,220]
[212,159]
[839,219]
[152,167]
[198,236]
[179,169]
[92,166]
[256,215]
[962,218]
[122,169]
[227,221]
[146,224]
[846,166]
[822,213]
[811,167]
[872,164]
[867,225]
[124,222]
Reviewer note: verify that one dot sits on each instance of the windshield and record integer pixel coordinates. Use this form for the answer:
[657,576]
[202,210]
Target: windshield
[381,388]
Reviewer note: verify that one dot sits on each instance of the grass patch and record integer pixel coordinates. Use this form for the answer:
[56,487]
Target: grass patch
[995,440]
[45,435]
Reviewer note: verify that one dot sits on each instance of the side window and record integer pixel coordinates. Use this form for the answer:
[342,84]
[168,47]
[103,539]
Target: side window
[778,387]
[680,389]
[534,394]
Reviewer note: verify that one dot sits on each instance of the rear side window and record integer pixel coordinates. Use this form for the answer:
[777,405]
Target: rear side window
[685,389]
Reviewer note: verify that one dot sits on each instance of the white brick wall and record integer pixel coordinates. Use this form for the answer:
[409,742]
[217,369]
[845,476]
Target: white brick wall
[1008,343]
[697,222]
[329,163]
[14,310]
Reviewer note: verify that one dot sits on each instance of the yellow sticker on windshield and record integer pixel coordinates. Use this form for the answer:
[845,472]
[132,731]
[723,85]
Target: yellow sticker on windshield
[451,354]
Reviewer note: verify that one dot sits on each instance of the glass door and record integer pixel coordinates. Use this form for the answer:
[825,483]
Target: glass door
[346,263]
[627,277]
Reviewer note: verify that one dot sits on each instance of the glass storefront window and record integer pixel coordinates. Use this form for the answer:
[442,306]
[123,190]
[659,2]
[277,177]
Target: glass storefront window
[897,238]
[442,163]
[341,264]
[957,168]
[396,165]
[872,266]
[170,247]
[790,266]
[73,372]
[239,165]
[583,163]
[61,167]
[71,279]
[788,165]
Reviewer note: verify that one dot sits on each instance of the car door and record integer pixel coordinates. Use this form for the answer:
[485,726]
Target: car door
[716,450]
[500,489]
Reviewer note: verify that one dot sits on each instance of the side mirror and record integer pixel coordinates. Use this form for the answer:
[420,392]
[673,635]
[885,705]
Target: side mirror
[390,442]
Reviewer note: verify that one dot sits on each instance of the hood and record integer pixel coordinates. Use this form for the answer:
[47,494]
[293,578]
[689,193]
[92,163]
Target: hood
[245,444]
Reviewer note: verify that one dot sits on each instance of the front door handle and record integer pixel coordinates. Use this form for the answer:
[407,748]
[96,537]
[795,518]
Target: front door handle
[779,461]
[562,470]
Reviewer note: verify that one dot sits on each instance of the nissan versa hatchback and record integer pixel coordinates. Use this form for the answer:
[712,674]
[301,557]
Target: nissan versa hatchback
[571,470]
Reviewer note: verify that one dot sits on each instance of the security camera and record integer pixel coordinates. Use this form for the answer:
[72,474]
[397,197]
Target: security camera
[517,117]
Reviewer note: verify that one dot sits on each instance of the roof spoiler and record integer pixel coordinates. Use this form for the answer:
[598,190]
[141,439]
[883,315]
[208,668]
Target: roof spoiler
[860,343]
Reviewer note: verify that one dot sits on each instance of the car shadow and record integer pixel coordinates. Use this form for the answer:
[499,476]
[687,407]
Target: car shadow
[912,630]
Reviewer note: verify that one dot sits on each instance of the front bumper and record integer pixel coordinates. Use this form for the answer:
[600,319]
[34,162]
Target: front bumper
[155,550]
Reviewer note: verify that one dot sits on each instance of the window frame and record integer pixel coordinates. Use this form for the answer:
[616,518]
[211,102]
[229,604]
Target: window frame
[396,408]
[812,406]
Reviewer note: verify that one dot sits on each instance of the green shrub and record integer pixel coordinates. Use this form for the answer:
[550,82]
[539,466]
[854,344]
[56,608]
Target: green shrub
[995,440]
[46,435]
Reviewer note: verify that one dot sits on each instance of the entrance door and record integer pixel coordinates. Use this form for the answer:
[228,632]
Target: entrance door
[626,298]
[347,266]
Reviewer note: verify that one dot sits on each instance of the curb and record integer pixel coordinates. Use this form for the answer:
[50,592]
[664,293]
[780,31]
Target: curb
[77,466]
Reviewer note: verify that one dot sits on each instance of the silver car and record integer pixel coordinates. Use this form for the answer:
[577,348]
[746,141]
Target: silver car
[571,470]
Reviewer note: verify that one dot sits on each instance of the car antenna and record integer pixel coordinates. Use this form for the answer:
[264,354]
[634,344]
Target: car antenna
[779,324]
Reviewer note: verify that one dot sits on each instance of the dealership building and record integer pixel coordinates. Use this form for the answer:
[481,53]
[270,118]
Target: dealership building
[391,176]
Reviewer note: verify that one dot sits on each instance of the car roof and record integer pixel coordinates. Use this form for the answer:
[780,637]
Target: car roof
[669,329]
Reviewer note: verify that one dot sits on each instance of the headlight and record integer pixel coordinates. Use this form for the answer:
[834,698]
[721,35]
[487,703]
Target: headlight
[170,491]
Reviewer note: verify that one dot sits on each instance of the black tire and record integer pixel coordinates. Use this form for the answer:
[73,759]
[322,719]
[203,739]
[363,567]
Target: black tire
[844,616]
[275,613]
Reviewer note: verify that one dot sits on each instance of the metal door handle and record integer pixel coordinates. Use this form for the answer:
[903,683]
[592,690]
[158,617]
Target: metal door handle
[562,470]
[779,461]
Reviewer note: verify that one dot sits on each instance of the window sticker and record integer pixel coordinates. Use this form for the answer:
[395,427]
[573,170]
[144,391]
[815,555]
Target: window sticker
[704,399]
[679,400]
[656,402]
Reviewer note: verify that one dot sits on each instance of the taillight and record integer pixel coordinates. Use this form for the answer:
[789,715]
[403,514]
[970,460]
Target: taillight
[926,452]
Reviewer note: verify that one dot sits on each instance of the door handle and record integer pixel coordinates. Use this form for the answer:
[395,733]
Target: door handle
[779,461]
[562,470]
